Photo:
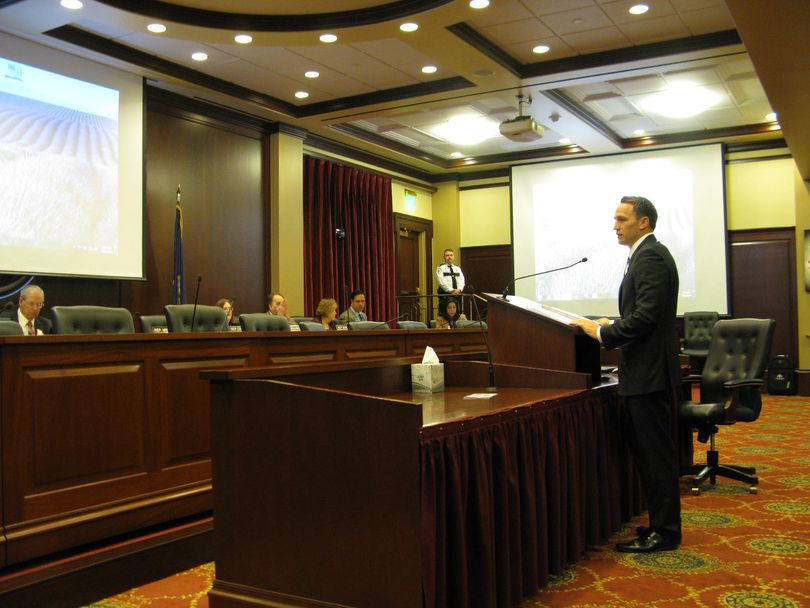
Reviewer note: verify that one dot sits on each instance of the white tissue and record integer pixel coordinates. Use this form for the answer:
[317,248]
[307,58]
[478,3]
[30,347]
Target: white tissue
[430,357]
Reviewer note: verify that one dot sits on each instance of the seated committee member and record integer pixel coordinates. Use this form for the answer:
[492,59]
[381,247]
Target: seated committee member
[32,299]
[450,316]
[277,306]
[326,313]
[355,312]
[227,305]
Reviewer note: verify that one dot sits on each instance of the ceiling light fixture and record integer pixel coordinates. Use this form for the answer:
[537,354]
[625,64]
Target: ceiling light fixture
[72,4]
[328,38]
[681,101]
[479,4]
[639,132]
[301,94]
[199,56]
[243,38]
[312,74]
[456,154]
[564,141]
[541,48]
[409,27]
[467,130]
[638,9]
[430,69]
[771,116]
[156,28]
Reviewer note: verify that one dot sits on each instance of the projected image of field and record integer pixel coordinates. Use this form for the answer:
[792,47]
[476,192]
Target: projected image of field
[59,171]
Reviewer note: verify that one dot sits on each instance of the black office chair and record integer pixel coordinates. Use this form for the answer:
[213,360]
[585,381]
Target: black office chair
[411,325]
[10,328]
[311,326]
[697,333]
[153,324]
[367,325]
[262,321]
[206,318]
[470,323]
[729,392]
[92,320]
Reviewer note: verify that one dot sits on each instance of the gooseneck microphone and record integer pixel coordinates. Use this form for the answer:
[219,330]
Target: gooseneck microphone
[491,368]
[379,324]
[196,299]
[537,274]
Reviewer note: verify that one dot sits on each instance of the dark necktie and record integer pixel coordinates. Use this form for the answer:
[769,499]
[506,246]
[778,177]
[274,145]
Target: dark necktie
[31,331]
[627,266]
[452,276]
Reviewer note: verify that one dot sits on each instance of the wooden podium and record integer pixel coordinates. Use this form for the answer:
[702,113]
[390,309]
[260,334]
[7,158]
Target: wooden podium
[525,332]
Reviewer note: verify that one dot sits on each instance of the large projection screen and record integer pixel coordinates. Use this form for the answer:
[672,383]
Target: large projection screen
[71,139]
[563,211]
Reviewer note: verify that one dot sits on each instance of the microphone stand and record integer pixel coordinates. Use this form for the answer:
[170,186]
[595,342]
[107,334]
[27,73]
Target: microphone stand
[536,274]
[491,368]
[196,299]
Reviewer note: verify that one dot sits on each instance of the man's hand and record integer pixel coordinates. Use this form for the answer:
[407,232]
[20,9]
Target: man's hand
[590,327]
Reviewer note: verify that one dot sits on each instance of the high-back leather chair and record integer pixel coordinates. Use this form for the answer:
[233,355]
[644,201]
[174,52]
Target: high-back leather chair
[311,326]
[153,323]
[470,323]
[10,328]
[411,325]
[206,318]
[262,321]
[697,333]
[92,320]
[367,325]
[729,392]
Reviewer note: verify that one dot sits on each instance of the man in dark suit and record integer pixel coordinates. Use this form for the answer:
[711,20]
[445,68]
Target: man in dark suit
[32,299]
[646,336]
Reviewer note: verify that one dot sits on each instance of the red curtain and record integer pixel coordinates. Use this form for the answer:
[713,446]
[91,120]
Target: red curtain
[348,237]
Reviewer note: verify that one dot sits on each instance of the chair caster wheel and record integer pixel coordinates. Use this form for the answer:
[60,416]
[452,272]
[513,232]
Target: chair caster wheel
[753,490]
[696,491]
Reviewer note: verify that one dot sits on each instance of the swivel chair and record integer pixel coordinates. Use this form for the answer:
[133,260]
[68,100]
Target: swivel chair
[729,392]
[311,326]
[92,320]
[367,325]
[262,321]
[470,323]
[206,318]
[411,325]
[153,324]
[10,328]
[697,333]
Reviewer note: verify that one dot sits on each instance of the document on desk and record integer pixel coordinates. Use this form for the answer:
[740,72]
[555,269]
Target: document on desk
[480,395]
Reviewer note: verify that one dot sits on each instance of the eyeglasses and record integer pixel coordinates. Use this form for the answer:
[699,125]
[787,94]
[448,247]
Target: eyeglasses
[34,304]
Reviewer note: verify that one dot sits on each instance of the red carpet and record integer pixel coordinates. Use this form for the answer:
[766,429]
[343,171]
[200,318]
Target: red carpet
[739,550]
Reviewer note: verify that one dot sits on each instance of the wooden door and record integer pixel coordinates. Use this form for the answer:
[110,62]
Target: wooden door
[413,254]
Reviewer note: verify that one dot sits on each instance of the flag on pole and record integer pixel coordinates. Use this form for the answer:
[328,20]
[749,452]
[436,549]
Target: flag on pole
[178,273]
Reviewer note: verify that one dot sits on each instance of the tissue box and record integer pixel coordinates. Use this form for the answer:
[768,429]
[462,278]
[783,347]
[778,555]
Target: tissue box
[427,378]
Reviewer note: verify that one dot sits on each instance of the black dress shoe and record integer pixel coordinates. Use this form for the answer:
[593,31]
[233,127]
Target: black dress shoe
[652,542]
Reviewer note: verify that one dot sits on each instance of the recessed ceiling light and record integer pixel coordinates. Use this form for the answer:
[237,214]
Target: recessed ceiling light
[479,3]
[328,38]
[72,4]
[564,141]
[638,9]
[312,74]
[467,130]
[156,28]
[771,116]
[639,132]
[682,101]
[243,38]
[409,27]
[456,154]
[430,69]
[199,56]
[301,94]
[541,48]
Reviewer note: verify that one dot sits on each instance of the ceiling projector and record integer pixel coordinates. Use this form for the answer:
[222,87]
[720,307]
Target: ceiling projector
[522,129]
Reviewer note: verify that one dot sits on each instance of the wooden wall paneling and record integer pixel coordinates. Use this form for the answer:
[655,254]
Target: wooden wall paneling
[489,269]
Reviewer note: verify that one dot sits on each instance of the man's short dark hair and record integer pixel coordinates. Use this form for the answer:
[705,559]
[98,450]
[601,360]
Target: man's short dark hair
[642,207]
[355,293]
[271,296]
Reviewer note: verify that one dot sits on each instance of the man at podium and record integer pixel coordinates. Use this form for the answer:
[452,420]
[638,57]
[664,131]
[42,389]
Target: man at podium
[646,336]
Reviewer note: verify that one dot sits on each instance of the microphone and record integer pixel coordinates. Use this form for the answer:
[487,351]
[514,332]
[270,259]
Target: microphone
[196,299]
[491,368]
[537,274]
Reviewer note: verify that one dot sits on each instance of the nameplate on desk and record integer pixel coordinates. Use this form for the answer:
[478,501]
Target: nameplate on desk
[480,395]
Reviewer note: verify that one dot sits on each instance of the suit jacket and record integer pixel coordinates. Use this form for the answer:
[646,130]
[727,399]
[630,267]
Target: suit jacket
[350,316]
[646,333]
[40,323]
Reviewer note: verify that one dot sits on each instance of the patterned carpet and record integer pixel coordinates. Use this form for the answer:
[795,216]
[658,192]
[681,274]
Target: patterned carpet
[739,550]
